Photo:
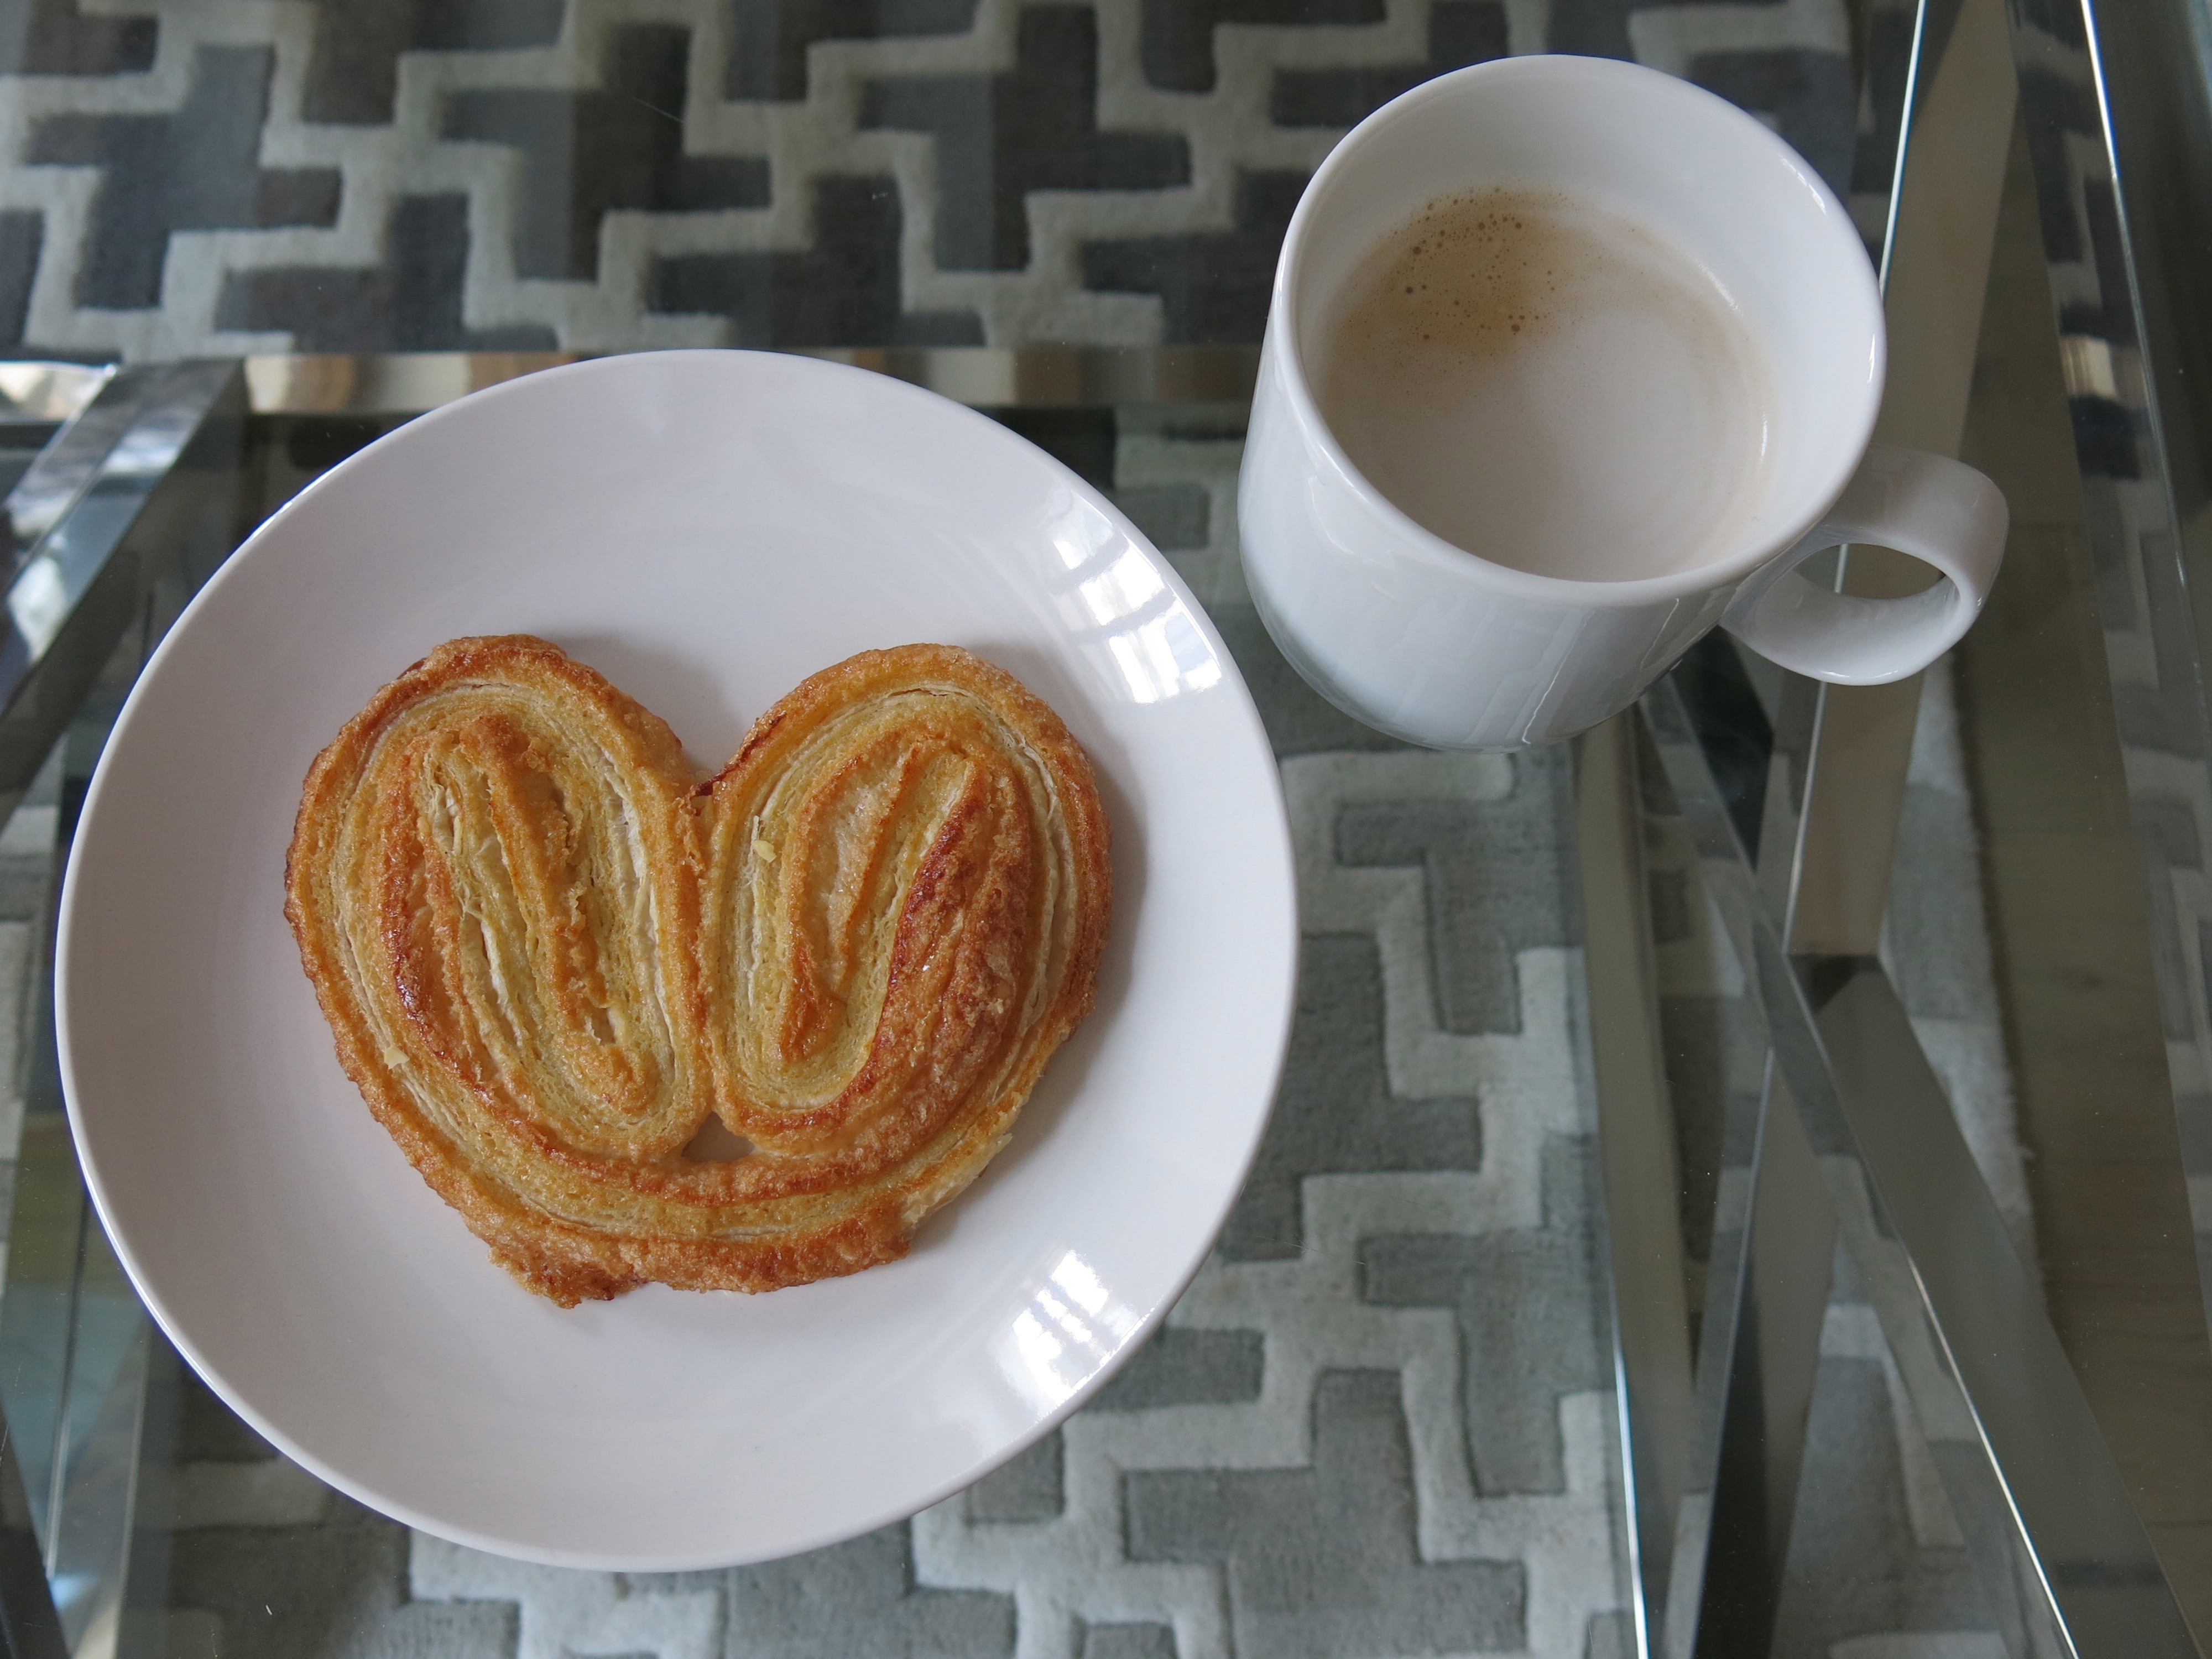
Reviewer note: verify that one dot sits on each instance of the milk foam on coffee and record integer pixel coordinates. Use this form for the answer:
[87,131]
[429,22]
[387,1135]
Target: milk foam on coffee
[1548,385]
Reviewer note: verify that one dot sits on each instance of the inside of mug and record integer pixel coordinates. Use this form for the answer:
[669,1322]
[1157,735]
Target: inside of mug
[1675,160]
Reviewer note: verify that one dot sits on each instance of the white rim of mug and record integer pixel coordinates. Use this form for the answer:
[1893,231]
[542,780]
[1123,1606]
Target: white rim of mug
[1529,584]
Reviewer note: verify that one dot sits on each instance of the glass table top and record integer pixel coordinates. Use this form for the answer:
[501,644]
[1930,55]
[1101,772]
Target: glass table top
[1731,1190]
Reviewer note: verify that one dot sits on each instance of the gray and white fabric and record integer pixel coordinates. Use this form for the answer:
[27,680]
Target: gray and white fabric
[194,177]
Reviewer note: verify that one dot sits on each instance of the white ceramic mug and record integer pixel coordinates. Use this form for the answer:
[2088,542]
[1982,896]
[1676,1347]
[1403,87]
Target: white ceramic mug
[1411,634]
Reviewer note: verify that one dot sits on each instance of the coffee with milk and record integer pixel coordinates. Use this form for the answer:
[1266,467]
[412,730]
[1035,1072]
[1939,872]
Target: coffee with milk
[1550,385]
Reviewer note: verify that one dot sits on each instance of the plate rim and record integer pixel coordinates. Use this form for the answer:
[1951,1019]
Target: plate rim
[1283,998]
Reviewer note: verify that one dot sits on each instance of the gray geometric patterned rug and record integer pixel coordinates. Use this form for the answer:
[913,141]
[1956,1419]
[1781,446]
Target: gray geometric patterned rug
[1379,1423]
[188,177]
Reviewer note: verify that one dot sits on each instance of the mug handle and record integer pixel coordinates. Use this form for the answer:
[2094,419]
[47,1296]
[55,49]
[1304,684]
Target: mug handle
[1939,511]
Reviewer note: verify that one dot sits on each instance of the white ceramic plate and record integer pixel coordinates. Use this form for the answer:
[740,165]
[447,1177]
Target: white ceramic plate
[706,529]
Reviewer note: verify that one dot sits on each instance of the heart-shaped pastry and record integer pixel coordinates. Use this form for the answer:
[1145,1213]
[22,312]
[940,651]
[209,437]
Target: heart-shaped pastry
[550,958]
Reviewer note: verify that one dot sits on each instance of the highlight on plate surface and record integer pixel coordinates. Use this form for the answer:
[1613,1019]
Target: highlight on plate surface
[731,1035]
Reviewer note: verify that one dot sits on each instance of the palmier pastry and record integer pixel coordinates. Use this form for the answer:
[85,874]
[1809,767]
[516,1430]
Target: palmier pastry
[549,958]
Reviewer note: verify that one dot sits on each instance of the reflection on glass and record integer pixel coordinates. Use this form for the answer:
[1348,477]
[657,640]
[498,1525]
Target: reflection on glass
[1068,1331]
[50,391]
[38,602]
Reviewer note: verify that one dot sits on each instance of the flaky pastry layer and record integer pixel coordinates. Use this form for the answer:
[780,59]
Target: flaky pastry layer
[549,956]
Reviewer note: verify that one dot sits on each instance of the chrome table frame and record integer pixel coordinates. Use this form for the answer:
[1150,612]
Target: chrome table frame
[1796,809]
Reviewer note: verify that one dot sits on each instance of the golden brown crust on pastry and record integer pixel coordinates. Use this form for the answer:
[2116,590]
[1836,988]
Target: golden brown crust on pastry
[547,954]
